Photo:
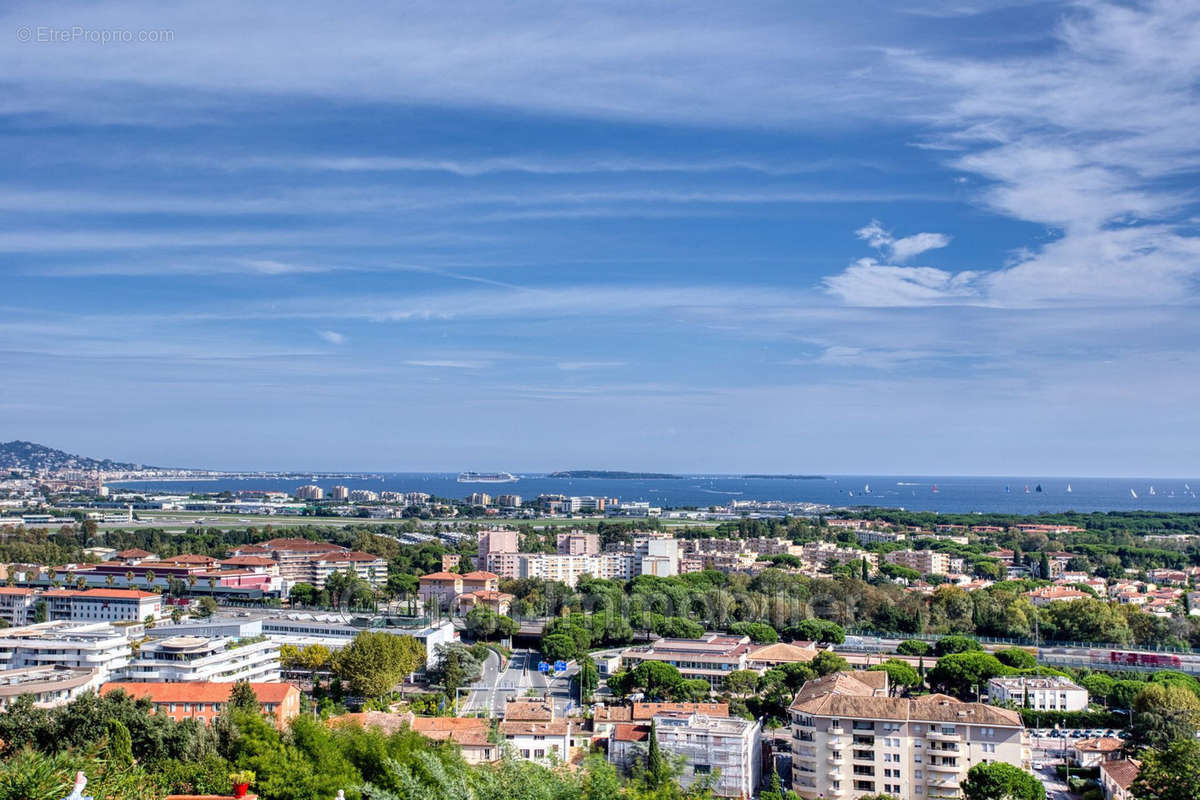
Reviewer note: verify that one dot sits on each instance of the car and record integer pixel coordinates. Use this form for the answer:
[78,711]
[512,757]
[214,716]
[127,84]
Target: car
[1037,765]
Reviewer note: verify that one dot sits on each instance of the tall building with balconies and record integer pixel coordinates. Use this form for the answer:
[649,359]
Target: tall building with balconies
[850,738]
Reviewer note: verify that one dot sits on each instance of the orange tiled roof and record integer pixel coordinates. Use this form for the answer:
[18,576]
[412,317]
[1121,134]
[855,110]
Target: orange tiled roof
[197,692]
[1123,772]
[112,594]
[481,575]
[441,576]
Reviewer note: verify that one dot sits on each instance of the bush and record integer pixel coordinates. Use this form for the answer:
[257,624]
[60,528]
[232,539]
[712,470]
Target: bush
[1073,719]
[914,647]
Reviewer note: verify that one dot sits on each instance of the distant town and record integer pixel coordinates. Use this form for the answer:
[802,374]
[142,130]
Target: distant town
[753,650]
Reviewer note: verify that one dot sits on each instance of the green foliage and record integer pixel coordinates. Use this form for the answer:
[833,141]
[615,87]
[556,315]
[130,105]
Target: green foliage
[914,647]
[1016,658]
[1170,773]
[827,662]
[902,676]
[1163,713]
[759,633]
[955,644]
[375,661]
[1001,781]
[456,667]
[119,744]
[243,698]
[966,673]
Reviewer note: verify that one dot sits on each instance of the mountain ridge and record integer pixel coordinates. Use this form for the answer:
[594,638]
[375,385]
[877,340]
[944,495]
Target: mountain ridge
[35,457]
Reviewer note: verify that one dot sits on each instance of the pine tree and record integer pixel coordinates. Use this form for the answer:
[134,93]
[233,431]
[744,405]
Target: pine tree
[243,698]
[120,744]
[865,571]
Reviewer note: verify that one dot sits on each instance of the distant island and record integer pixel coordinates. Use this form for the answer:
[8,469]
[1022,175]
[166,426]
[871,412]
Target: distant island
[614,474]
[785,477]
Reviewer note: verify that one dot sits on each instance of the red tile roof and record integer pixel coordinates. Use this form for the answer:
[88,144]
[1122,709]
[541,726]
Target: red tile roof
[1123,772]
[626,732]
[133,553]
[248,561]
[441,576]
[354,555]
[15,590]
[481,575]
[111,594]
[198,692]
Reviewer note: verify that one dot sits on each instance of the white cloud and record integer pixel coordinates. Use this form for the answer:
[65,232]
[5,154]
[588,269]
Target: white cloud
[446,364]
[900,250]
[570,366]
[333,337]
[870,283]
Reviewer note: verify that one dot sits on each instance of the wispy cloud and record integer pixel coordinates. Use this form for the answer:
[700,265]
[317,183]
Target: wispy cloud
[333,337]
[901,249]
[447,364]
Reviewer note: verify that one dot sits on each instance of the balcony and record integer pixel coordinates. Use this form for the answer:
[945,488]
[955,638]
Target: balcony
[835,757]
[939,736]
[943,767]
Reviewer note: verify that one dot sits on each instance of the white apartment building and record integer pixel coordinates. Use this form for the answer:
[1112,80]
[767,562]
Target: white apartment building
[1054,693]
[310,492]
[17,605]
[711,657]
[849,739]
[367,566]
[50,686]
[820,552]
[926,562]
[102,605]
[197,658]
[94,646]
[708,745]
[872,536]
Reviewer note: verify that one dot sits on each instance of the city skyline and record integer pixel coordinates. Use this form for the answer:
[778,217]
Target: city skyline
[922,240]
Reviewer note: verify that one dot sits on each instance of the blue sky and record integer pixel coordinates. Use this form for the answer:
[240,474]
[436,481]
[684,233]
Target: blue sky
[907,237]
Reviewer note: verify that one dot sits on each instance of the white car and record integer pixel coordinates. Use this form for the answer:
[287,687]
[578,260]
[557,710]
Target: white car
[1037,765]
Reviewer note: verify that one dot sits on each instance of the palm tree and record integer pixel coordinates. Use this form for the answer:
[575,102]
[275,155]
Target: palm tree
[149,576]
[129,578]
[81,582]
[110,580]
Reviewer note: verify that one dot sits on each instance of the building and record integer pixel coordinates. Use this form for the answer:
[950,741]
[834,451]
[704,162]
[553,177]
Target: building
[849,739]
[926,562]
[198,659]
[205,700]
[339,492]
[605,717]
[508,500]
[439,589]
[578,543]
[728,747]
[368,567]
[471,734]
[50,686]
[499,602]
[710,658]
[1046,595]
[94,646]
[17,605]
[497,541]
[309,492]
[101,605]
[1116,778]
[363,496]
[1093,752]
[1054,693]
[763,657]
[479,499]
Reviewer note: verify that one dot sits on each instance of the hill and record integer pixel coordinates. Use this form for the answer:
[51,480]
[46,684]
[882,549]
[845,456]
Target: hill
[39,458]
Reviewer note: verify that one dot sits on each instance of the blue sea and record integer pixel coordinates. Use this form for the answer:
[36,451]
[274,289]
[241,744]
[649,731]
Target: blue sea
[953,495]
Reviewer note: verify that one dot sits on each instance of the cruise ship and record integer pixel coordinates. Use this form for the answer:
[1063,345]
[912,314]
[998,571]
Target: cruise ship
[486,477]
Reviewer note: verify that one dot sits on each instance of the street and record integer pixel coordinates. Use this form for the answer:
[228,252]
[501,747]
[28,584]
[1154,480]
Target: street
[520,675]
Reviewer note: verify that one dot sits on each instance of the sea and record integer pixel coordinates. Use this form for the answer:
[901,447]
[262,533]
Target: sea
[947,494]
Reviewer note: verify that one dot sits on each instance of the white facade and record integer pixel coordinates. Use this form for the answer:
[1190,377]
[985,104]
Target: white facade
[16,605]
[1054,693]
[93,646]
[708,745]
[196,658]
[102,605]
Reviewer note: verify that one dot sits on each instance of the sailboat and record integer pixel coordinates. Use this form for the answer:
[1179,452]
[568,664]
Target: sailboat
[1069,488]
[1132,492]
[1039,488]
[1187,488]
[935,489]
[867,489]
[1027,488]
[1007,488]
[1152,492]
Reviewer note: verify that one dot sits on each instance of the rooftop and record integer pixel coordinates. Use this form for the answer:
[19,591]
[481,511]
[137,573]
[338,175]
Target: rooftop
[197,691]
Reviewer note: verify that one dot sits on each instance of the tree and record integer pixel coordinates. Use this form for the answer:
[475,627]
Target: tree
[902,676]
[1164,713]
[657,679]
[1001,781]
[658,772]
[456,667]
[481,622]
[375,661]
[119,745]
[243,698]
[1044,566]
[759,633]
[741,683]
[205,607]
[1171,773]
[588,677]
[828,662]
[956,644]
[963,673]
[914,647]
[1016,658]
[559,646]
[820,630]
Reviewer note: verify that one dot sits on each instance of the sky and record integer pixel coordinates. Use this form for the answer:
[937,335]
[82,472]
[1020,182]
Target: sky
[893,237]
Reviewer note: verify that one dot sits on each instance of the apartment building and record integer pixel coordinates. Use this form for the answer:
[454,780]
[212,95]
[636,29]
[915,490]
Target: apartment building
[96,646]
[17,605]
[198,658]
[821,552]
[849,739]
[205,700]
[1054,693]
[710,658]
[101,605]
[605,717]
[728,747]
[439,589]
[578,543]
[367,566]
[310,492]
[496,541]
[926,562]
[873,536]
[50,686]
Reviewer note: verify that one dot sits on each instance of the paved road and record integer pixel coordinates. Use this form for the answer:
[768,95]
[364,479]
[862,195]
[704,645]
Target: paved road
[519,677]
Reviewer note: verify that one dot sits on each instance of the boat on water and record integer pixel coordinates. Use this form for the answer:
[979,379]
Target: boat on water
[1027,488]
[1132,492]
[487,477]
[867,489]
[1007,489]
[1152,492]
[1069,490]
[1038,488]
[935,489]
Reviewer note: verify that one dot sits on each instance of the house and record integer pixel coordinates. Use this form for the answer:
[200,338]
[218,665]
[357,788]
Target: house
[1094,752]
[1046,595]
[500,602]
[439,589]
[471,734]
[545,742]
[1116,777]
[205,700]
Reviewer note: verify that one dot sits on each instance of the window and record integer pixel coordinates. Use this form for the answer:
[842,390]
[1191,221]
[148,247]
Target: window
[702,769]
